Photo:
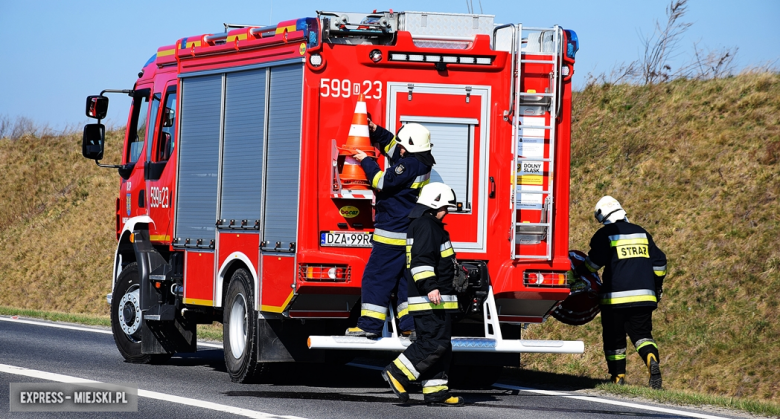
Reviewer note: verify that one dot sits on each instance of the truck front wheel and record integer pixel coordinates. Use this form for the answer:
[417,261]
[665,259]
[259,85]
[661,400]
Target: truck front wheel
[239,329]
[127,319]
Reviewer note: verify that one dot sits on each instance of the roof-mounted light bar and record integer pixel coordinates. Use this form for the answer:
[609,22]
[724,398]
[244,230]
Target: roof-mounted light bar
[436,58]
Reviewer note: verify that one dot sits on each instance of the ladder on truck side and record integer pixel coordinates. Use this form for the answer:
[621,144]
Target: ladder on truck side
[534,115]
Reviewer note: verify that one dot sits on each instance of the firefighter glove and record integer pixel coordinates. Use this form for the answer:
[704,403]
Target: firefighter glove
[579,286]
[571,277]
[460,280]
[659,292]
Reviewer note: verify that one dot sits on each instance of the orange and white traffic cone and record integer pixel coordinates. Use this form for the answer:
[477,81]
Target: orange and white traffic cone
[353,176]
[358,138]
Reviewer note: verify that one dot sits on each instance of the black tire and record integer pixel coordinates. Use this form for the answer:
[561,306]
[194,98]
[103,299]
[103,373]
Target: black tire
[127,320]
[239,329]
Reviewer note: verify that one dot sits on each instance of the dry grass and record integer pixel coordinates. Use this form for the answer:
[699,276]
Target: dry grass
[56,224]
[696,163]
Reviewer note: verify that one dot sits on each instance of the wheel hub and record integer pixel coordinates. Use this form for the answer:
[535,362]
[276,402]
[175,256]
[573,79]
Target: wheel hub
[238,325]
[130,312]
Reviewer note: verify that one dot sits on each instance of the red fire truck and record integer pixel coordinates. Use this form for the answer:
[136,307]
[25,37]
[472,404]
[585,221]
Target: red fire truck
[232,207]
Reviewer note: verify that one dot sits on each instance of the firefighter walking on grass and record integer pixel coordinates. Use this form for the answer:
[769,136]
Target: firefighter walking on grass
[397,189]
[430,262]
[634,271]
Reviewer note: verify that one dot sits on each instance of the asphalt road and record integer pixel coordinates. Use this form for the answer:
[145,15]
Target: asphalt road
[197,386]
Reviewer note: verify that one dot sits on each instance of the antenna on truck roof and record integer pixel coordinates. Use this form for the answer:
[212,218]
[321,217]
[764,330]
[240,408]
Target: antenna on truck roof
[229,26]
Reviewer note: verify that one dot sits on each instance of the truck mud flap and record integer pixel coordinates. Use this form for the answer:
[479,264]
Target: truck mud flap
[164,331]
[283,340]
[159,337]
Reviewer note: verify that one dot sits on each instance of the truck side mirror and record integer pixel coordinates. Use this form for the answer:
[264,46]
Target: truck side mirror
[168,117]
[97,106]
[93,140]
[167,149]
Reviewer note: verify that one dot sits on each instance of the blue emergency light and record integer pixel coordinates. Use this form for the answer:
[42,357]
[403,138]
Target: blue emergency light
[572,43]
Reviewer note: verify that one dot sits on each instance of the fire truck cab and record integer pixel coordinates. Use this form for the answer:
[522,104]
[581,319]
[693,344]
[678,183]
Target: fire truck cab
[234,205]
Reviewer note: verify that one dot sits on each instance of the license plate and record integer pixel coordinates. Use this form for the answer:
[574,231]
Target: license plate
[345,239]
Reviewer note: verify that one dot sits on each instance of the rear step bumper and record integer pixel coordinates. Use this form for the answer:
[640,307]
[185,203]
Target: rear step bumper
[459,344]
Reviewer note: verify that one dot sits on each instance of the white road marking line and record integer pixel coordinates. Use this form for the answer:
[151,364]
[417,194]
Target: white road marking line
[210,345]
[43,375]
[86,329]
[606,401]
[59,326]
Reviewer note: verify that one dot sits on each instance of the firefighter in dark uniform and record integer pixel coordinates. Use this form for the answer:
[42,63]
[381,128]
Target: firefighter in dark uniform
[432,297]
[397,188]
[634,271]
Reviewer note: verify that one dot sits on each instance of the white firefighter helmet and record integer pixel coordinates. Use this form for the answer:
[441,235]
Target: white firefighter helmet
[437,195]
[608,210]
[414,137]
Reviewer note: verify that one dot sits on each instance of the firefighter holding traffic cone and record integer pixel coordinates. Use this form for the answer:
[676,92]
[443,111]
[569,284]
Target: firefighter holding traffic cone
[397,188]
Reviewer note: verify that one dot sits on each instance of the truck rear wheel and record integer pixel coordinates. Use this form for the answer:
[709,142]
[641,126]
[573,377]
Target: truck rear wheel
[239,329]
[127,319]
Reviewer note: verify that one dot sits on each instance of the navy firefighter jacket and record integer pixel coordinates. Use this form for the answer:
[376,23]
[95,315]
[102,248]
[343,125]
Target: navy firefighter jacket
[429,263]
[634,267]
[398,187]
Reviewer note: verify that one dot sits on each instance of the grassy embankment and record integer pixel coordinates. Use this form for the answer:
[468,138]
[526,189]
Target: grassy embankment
[695,162]
[56,224]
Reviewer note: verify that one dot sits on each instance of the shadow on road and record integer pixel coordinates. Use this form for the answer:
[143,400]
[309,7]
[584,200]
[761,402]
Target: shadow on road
[548,381]
[210,358]
[371,396]
[366,374]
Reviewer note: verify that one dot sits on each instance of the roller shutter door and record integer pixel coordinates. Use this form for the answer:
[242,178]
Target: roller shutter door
[196,206]
[283,155]
[242,154]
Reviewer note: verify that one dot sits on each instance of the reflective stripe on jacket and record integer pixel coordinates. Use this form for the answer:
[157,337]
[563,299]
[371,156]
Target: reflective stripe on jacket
[634,267]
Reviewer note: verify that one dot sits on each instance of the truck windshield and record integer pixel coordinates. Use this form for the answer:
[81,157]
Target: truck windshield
[137,128]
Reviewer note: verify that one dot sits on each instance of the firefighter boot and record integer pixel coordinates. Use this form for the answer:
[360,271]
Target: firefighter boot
[655,372]
[395,384]
[358,332]
[452,401]
[619,379]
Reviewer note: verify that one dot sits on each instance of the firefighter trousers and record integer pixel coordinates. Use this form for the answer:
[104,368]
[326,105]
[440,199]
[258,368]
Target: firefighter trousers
[384,275]
[427,359]
[637,322]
